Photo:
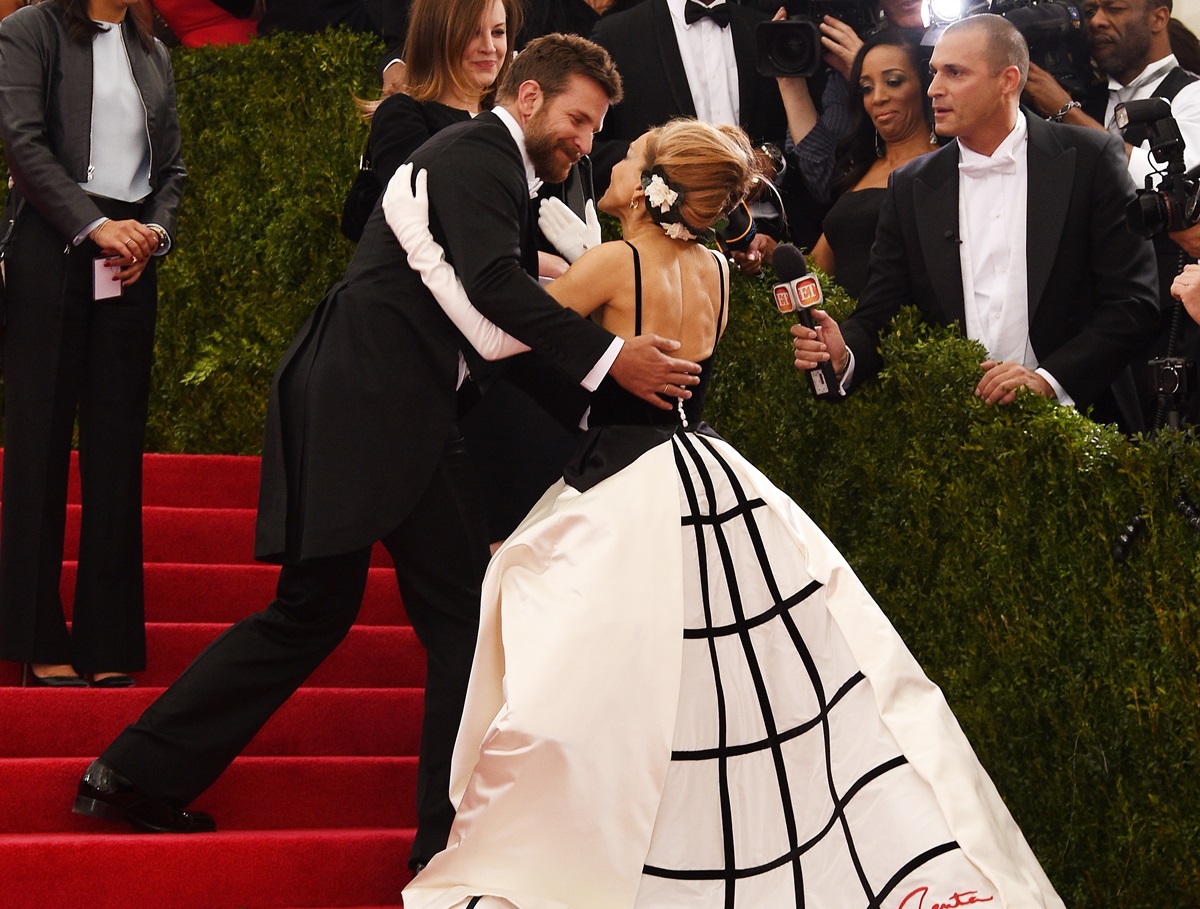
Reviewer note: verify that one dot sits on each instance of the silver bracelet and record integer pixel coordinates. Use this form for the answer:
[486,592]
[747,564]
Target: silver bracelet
[1066,108]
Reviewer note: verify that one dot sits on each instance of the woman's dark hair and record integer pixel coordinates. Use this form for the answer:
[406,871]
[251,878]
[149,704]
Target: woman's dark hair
[856,152]
[81,27]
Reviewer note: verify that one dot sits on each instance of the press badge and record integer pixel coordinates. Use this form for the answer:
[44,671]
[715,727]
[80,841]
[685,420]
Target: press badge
[105,282]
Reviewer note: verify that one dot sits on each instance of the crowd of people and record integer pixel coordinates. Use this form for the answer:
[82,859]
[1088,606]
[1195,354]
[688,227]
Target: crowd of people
[514,409]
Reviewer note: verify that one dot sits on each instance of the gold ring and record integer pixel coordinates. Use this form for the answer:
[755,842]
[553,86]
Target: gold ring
[129,241]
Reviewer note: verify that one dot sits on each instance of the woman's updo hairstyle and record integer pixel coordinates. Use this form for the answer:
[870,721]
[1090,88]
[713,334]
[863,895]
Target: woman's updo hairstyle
[711,167]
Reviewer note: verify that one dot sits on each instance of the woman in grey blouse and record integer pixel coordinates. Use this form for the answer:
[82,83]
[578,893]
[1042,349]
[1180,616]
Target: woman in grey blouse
[90,131]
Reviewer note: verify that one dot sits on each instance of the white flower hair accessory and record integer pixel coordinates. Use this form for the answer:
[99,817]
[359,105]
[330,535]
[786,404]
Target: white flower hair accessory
[663,204]
[659,194]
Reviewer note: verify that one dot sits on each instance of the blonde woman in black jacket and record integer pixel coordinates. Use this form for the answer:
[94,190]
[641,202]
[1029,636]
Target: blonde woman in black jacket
[90,131]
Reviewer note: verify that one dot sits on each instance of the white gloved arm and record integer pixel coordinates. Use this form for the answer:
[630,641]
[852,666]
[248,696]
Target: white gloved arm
[407,214]
[566,233]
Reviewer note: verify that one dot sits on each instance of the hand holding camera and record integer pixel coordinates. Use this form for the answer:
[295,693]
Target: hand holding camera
[1186,287]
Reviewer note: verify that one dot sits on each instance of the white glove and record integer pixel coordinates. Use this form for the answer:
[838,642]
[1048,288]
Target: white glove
[566,233]
[407,214]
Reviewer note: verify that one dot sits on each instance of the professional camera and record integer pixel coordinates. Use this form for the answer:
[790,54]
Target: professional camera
[1175,203]
[1053,29]
[792,46]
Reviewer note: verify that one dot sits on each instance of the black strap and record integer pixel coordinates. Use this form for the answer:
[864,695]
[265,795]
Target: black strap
[637,289]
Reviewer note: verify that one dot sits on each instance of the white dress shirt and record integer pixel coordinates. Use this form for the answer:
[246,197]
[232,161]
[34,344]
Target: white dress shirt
[710,65]
[993,201]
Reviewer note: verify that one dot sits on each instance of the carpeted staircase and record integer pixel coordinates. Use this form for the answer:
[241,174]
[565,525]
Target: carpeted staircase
[319,810]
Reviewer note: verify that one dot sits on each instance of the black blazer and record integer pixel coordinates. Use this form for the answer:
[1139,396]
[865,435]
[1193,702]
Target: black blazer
[1093,300]
[642,43]
[46,119]
[364,403]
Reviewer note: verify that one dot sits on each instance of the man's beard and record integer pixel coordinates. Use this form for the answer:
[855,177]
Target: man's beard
[545,152]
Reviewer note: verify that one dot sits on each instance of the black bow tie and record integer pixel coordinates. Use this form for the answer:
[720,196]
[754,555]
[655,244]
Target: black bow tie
[693,11]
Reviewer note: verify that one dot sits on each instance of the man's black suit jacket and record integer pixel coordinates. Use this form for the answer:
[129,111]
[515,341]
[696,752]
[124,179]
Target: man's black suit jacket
[364,401]
[1093,300]
[642,44]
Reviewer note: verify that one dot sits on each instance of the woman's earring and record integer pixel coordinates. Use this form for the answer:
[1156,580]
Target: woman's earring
[880,148]
[933,137]
[633,204]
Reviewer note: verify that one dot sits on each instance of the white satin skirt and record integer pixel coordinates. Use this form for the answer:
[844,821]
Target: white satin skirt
[682,696]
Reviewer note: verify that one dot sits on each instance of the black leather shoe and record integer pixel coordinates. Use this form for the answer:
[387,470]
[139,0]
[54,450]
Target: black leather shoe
[31,679]
[103,793]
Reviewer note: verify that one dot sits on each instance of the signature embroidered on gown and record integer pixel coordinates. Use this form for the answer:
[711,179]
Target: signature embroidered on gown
[683,696]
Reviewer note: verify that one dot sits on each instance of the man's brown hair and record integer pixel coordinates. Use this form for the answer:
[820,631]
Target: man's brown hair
[551,60]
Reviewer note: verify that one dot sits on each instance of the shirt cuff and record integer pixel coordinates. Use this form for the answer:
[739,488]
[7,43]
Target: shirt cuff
[592,380]
[849,373]
[83,234]
[1060,393]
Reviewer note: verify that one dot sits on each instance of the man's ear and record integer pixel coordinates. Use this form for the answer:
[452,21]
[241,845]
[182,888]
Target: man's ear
[1159,17]
[1011,80]
[529,98]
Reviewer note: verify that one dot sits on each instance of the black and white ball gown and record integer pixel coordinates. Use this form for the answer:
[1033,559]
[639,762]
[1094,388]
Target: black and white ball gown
[682,696]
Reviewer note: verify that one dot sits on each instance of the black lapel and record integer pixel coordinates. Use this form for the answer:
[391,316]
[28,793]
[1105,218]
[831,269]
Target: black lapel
[745,51]
[662,36]
[935,208]
[1051,170]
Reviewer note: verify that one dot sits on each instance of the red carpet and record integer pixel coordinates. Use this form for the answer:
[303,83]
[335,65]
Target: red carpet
[317,814]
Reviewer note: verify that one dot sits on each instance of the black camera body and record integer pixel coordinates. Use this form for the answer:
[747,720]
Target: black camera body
[1057,39]
[1175,203]
[792,46]
[1174,376]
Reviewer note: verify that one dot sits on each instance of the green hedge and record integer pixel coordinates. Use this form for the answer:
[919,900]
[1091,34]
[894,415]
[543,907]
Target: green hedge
[984,532]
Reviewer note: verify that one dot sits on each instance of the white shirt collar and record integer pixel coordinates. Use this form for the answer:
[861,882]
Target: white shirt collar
[1008,147]
[518,134]
[1156,70]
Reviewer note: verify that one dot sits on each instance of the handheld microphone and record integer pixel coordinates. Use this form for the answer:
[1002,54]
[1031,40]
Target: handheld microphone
[798,291]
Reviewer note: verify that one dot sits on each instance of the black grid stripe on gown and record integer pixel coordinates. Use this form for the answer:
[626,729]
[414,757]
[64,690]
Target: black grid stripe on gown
[744,605]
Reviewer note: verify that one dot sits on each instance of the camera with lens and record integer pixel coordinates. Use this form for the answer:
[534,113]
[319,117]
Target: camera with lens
[1173,375]
[1053,29]
[792,46]
[1175,203]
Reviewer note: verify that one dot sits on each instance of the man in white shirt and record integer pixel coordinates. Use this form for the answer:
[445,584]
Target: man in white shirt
[1015,231]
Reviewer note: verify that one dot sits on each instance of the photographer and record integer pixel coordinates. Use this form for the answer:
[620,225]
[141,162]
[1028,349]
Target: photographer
[1130,42]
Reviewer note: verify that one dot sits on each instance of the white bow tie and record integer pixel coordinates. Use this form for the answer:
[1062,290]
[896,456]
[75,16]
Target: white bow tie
[981,167]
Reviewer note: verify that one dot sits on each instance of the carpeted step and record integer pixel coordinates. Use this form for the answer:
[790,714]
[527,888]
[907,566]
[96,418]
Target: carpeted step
[188,592]
[328,868]
[371,656]
[223,536]
[255,793]
[215,481]
[44,722]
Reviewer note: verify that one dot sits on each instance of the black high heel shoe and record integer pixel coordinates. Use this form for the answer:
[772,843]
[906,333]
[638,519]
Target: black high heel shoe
[120,680]
[30,679]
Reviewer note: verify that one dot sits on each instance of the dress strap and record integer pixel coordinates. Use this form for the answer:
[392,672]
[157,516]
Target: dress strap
[721,281]
[637,289]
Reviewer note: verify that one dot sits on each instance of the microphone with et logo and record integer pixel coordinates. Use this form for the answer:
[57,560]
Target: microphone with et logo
[799,291]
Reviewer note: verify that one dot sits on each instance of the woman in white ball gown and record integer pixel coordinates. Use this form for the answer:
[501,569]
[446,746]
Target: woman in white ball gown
[682,696]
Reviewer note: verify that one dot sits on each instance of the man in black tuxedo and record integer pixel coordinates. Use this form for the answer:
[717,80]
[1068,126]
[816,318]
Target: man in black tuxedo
[362,446]
[1015,231]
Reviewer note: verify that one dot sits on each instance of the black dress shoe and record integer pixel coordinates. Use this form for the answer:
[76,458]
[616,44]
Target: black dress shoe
[120,680]
[103,793]
[30,679]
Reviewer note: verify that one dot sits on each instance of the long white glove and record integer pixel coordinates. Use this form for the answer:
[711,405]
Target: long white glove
[407,214]
[566,233]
